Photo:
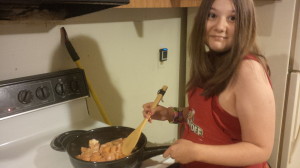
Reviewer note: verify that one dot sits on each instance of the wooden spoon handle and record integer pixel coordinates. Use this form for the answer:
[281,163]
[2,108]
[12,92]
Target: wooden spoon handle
[159,96]
[130,142]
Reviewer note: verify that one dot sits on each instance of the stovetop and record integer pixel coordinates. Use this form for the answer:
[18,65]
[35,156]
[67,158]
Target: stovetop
[27,143]
[25,139]
[35,121]
[159,162]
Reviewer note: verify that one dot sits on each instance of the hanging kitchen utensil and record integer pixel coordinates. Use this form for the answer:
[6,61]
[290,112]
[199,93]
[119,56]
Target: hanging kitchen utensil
[76,59]
[130,142]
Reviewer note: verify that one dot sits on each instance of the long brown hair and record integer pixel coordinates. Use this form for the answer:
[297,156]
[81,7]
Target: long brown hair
[213,73]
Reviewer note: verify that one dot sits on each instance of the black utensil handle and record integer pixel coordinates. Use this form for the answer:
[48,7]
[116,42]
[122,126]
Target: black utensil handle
[72,51]
[69,45]
[154,151]
[61,141]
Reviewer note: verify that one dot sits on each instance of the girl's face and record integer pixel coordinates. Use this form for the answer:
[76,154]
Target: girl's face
[220,26]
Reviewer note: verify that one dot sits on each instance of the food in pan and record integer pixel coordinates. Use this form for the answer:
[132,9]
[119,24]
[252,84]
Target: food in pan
[97,152]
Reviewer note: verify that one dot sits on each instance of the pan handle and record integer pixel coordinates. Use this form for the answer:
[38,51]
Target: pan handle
[61,141]
[153,151]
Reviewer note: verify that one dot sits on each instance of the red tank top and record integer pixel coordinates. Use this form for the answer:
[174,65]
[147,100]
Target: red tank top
[209,123]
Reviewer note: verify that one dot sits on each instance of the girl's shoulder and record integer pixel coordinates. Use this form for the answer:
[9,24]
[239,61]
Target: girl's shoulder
[259,59]
[252,71]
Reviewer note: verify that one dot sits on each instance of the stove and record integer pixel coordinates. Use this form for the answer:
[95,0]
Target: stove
[35,109]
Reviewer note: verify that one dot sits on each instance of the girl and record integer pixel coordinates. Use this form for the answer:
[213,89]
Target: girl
[230,120]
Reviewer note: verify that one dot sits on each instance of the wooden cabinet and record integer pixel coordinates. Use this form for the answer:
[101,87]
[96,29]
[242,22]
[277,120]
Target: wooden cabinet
[161,3]
[166,3]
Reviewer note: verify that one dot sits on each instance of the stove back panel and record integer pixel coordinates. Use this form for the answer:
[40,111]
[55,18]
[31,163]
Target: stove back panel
[21,95]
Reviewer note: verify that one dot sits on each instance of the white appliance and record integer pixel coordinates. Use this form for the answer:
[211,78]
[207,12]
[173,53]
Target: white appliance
[290,149]
[36,109]
[33,110]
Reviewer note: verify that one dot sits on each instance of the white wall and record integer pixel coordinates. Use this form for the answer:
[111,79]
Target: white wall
[119,51]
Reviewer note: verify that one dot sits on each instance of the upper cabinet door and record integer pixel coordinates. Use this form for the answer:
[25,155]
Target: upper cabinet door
[166,3]
[161,3]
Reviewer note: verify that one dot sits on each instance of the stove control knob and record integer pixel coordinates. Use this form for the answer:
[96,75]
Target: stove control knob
[25,96]
[60,89]
[74,86]
[42,92]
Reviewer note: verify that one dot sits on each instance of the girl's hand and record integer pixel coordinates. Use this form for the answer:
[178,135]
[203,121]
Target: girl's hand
[157,113]
[183,151]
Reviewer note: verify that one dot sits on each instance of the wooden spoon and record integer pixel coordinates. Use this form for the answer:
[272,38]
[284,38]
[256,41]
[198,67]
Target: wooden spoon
[130,142]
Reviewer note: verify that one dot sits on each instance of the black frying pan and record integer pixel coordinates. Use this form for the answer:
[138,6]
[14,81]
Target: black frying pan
[72,141]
